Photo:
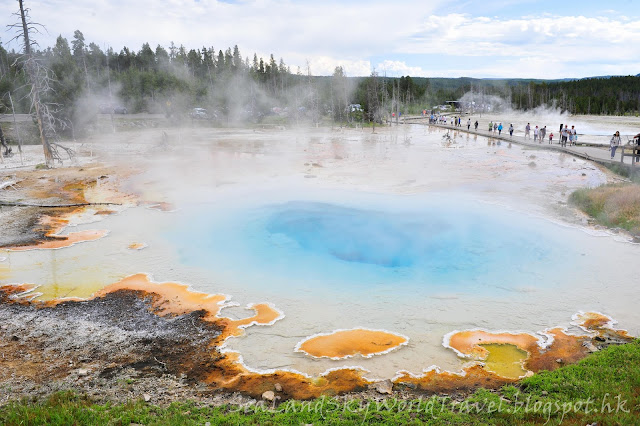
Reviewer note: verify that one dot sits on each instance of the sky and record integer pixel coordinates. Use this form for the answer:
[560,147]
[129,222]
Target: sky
[428,38]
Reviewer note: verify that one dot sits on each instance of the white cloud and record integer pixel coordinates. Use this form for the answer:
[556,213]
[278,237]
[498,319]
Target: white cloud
[399,68]
[405,38]
[546,36]
[349,30]
[547,46]
[326,65]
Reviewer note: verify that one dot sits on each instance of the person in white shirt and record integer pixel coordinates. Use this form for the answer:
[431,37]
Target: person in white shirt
[614,143]
[565,135]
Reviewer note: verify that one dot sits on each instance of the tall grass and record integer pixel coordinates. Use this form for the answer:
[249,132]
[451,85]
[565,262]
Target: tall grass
[615,206]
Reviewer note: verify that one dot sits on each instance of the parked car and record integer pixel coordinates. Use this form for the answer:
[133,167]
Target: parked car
[199,113]
[110,109]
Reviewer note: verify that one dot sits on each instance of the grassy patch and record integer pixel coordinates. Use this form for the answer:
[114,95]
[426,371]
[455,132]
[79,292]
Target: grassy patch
[603,388]
[631,173]
[616,205]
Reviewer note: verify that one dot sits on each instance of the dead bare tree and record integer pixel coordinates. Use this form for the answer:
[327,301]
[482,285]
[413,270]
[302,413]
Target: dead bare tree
[3,142]
[313,96]
[15,126]
[373,99]
[39,78]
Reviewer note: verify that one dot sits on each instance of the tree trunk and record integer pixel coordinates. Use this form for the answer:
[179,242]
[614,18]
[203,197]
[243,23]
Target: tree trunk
[3,142]
[35,91]
[15,125]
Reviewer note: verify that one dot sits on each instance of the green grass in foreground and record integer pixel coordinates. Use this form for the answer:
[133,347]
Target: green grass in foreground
[603,388]
[615,206]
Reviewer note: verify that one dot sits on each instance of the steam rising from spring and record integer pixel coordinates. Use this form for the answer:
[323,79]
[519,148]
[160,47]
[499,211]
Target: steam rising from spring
[500,109]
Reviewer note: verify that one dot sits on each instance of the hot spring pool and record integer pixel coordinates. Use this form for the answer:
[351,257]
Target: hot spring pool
[420,244]
[419,265]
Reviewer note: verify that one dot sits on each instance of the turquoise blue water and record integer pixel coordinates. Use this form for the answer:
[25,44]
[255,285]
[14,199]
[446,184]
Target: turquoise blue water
[422,244]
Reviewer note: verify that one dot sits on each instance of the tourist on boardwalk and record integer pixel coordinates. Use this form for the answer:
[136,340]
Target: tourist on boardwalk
[536,132]
[614,143]
[564,136]
[468,124]
[551,138]
[459,121]
[500,129]
[543,133]
[511,129]
[574,135]
[495,127]
[527,130]
[476,125]
[570,136]
[490,125]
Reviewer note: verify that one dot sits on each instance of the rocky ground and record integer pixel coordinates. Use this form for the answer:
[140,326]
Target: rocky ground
[119,347]
[112,348]
[116,348]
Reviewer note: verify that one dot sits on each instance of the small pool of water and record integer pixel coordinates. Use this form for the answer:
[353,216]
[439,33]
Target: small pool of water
[505,360]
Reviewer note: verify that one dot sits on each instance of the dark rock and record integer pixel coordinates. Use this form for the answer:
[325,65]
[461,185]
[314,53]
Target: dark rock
[408,385]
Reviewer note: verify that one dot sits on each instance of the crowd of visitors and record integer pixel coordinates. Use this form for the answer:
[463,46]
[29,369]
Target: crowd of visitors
[567,135]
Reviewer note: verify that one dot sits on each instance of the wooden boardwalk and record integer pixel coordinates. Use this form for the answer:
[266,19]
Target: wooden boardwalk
[588,151]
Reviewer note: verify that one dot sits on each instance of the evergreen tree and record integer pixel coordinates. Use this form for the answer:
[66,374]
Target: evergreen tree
[146,58]
[162,57]
[173,50]
[78,44]
[255,65]
[238,64]
[220,63]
